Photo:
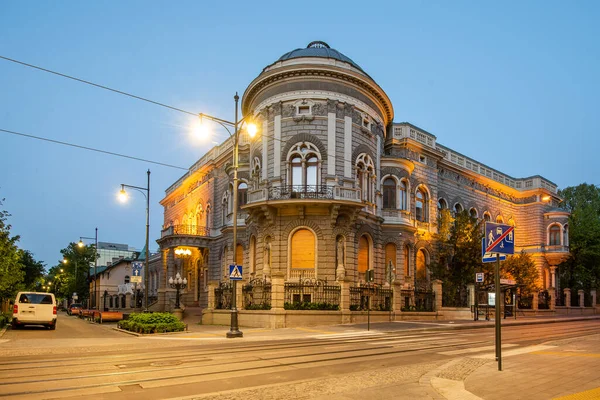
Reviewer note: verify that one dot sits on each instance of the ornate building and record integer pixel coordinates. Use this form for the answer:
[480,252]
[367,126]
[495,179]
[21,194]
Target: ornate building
[332,187]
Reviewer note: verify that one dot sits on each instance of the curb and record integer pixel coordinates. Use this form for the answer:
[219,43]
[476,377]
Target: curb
[149,334]
[3,330]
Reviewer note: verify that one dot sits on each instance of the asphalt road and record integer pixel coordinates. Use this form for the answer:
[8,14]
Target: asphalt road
[94,361]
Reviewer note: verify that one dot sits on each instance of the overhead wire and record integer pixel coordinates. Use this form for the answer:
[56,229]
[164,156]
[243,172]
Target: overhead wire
[125,94]
[92,149]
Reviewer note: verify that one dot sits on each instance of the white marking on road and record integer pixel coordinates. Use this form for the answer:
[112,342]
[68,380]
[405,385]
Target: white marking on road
[347,335]
[429,339]
[474,349]
[523,350]
[421,323]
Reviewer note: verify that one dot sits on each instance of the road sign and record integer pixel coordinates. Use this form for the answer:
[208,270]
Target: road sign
[136,268]
[135,279]
[499,238]
[479,277]
[489,257]
[235,272]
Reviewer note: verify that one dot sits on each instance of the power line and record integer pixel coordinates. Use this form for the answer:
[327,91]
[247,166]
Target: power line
[92,149]
[97,85]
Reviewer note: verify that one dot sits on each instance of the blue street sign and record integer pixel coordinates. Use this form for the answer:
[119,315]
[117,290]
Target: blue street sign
[235,272]
[136,268]
[499,238]
[489,257]
[479,277]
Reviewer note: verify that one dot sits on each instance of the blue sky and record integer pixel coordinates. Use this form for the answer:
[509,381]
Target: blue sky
[512,84]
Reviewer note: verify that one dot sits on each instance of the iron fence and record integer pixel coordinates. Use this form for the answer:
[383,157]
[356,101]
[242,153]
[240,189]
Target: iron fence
[257,294]
[312,294]
[424,300]
[375,296]
[525,302]
[301,192]
[587,299]
[455,296]
[560,298]
[223,295]
[544,300]
[574,300]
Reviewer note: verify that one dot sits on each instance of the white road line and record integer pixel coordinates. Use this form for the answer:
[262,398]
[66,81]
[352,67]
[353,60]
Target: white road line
[422,323]
[346,335]
[474,349]
[523,350]
[431,339]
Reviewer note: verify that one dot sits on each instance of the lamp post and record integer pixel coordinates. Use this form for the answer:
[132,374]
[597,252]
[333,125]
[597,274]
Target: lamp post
[177,284]
[234,330]
[80,244]
[146,192]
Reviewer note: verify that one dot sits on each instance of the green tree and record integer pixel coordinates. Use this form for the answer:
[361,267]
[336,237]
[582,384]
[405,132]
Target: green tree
[33,270]
[522,269]
[11,274]
[458,255]
[582,269]
[76,267]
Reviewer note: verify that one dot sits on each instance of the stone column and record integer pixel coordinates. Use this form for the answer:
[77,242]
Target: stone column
[580,292]
[277,290]
[437,289]
[239,298]
[471,297]
[128,300]
[567,292]
[397,288]
[344,296]
[553,295]
[593,293]
[553,275]
[535,301]
[212,285]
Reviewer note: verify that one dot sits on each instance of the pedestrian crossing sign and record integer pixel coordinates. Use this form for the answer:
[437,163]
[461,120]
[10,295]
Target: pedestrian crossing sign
[235,272]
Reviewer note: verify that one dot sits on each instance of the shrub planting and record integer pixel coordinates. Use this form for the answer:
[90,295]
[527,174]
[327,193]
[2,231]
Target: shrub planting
[151,323]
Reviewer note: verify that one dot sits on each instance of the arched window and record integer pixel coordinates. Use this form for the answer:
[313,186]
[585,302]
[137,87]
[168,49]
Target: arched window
[303,249]
[242,194]
[403,187]
[487,217]
[208,222]
[303,170]
[126,280]
[554,234]
[458,208]
[406,261]
[421,265]
[473,212]
[239,254]
[365,174]
[499,219]
[421,205]
[442,205]
[389,193]
[199,220]
[364,256]
[566,235]
[225,210]
[256,168]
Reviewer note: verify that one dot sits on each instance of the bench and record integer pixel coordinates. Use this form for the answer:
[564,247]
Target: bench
[110,316]
[86,314]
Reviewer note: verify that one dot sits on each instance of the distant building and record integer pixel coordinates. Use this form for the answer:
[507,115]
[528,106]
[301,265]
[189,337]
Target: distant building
[109,251]
[333,188]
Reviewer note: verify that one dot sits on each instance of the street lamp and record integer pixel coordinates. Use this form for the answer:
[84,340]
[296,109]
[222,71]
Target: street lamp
[123,197]
[251,129]
[177,284]
[80,244]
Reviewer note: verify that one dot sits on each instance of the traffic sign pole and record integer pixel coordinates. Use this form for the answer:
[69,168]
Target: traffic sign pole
[498,328]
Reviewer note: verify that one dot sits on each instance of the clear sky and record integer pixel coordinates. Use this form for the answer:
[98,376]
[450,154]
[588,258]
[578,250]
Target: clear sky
[513,84]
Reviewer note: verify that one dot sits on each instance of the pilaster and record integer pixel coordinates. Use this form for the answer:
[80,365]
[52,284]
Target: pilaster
[277,291]
[580,292]
[567,292]
[437,289]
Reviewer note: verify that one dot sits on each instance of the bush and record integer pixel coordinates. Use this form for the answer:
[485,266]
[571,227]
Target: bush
[260,306]
[306,305]
[152,323]
[5,318]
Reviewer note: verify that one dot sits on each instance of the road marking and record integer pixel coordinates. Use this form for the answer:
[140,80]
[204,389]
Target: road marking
[567,354]
[474,350]
[347,335]
[424,323]
[315,330]
[428,339]
[588,394]
[523,350]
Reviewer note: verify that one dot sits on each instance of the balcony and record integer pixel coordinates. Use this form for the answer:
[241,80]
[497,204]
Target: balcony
[394,216]
[189,230]
[304,192]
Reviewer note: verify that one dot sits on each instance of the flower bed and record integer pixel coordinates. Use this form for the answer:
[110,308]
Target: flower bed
[151,323]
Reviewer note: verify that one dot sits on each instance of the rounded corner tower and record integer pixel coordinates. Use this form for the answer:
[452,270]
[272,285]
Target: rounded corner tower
[318,73]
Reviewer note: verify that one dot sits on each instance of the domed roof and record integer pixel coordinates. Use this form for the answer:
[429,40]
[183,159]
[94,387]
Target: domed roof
[319,49]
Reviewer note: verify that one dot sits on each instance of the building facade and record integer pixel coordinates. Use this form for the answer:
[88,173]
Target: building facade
[332,188]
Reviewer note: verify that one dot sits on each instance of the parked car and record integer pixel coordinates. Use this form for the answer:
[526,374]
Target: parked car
[34,308]
[74,309]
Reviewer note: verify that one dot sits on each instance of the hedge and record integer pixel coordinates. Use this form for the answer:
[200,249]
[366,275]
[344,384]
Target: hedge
[151,323]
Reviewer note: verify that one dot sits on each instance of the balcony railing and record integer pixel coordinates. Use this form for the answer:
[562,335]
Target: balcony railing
[185,230]
[320,192]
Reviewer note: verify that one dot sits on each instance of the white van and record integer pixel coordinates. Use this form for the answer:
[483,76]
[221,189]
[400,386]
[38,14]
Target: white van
[34,308]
